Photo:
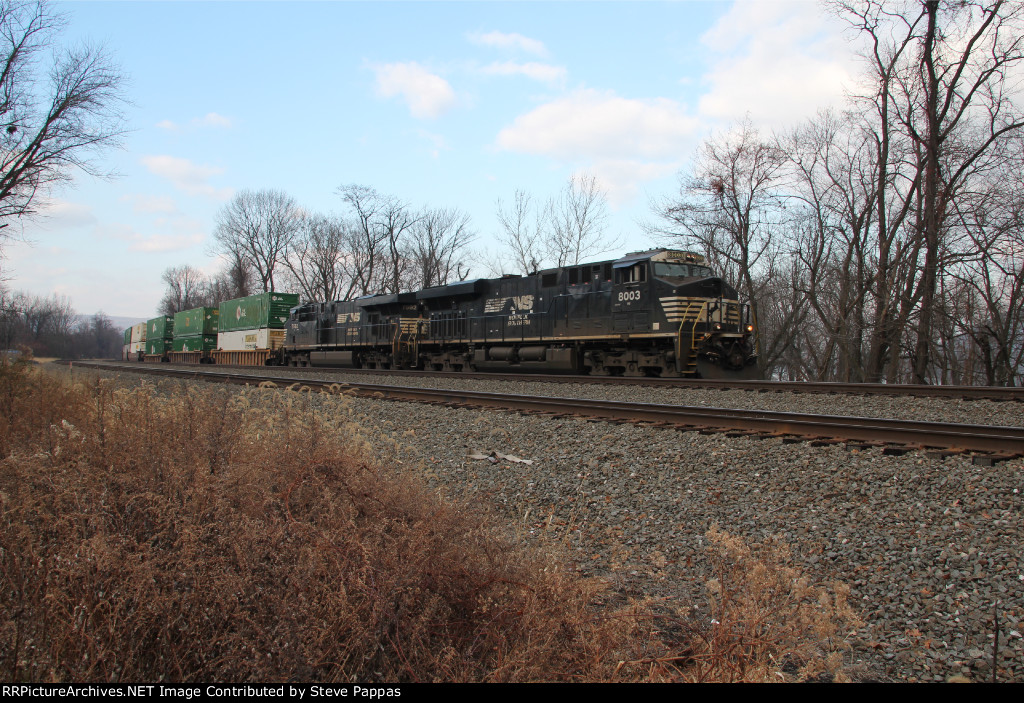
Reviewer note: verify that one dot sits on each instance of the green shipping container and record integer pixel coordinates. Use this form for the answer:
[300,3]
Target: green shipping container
[158,347]
[256,311]
[203,342]
[128,336]
[189,323]
[160,327]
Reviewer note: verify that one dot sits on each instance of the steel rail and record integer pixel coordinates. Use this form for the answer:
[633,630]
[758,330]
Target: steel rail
[964,437]
[998,393]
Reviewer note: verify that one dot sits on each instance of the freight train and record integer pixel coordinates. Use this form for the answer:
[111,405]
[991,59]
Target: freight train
[652,313]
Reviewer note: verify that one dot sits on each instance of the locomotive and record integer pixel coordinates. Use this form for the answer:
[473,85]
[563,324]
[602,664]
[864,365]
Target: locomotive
[652,313]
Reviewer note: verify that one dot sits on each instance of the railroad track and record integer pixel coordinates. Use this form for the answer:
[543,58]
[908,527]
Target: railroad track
[997,393]
[994,441]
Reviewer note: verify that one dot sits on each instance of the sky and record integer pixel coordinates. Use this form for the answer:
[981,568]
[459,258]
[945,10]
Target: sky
[441,104]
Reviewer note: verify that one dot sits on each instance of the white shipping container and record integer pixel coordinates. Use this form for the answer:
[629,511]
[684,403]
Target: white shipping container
[139,333]
[243,340]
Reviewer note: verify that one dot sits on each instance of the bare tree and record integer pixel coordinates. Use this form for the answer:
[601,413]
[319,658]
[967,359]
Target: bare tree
[941,80]
[256,229]
[368,241]
[187,288]
[49,128]
[396,221]
[438,243]
[521,232]
[731,209]
[320,260]
[575,222]
[381,262]
[568,229]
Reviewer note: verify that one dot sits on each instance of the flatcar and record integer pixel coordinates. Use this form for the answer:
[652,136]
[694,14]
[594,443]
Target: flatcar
[652,313]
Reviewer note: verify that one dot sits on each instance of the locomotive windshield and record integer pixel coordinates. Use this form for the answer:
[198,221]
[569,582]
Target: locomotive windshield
[672,270]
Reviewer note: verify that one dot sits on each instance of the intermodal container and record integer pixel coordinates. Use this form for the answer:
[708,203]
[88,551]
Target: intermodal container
[158,347]
[139,335]
[197,321]
[247,340]
[265,310]
[160,327]
[201,342]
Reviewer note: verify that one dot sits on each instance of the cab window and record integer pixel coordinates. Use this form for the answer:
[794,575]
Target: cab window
[634,274]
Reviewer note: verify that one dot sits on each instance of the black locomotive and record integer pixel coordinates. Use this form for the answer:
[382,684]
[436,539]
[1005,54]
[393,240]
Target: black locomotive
[655,313]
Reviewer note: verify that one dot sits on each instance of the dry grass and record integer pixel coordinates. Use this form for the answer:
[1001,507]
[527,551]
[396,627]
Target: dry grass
[207,534]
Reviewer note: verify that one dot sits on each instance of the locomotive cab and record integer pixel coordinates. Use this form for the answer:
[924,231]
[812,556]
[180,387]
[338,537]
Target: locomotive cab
[712,324]
[631,294]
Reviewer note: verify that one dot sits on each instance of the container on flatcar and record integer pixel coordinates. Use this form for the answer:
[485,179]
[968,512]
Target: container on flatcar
[248,340]
[195,343]
[197,321]
[160,327]
[264,310]
[158,347]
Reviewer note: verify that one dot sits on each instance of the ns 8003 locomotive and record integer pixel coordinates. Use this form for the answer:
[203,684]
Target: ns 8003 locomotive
[653,313]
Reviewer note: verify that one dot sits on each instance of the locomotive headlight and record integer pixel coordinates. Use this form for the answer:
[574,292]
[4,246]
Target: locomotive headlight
[750,328]
[718,326]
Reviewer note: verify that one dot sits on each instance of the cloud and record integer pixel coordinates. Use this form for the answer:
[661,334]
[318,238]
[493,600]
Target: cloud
[151,203]
[58,213]
[187,176]
[621,179]
[506,41]
[427,95]
[138,242]
[212,119]
[438,142]
[165,242]
[536,71]
[778,61]
[589,125]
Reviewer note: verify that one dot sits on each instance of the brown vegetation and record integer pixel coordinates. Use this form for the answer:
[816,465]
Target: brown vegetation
[184,533]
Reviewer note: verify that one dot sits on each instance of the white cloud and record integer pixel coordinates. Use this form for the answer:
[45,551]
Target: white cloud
[427,95]
[590,125]
[536,71]
[437,141]
[212,119]
[778,61]
[621,179]
[503,40]
[187,176]
[151,203]
[138,242]
[165,242]
[58,213]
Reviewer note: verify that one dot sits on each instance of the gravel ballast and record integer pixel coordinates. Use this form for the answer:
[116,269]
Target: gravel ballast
[927,545]
[978,412]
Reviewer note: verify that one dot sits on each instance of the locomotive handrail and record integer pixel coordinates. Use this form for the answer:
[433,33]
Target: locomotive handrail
[693,332]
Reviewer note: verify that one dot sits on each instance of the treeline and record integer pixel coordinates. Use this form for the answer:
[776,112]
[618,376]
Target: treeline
[884,242]
[48,326]
[382,244]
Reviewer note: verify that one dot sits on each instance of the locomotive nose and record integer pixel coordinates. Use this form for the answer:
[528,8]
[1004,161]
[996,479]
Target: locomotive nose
[704,288]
